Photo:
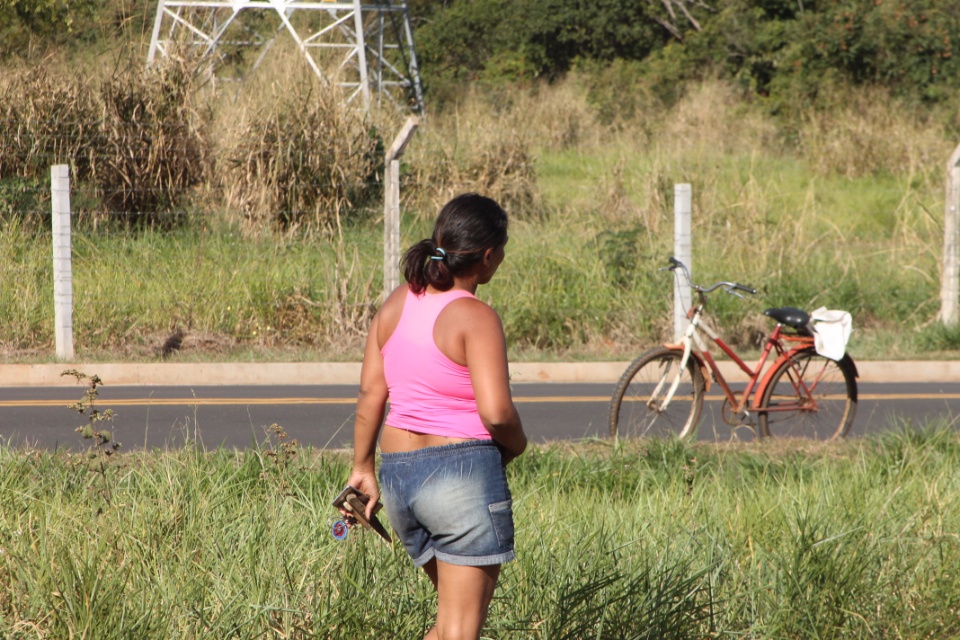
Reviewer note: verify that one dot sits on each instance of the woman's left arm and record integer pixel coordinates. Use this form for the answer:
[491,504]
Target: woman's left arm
[486,355]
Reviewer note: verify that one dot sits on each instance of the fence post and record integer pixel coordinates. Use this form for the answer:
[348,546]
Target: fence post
[950,279]
[682,251]
[62,261]
[391,206]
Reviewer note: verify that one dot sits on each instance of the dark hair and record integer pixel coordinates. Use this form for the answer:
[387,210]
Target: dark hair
[467,226]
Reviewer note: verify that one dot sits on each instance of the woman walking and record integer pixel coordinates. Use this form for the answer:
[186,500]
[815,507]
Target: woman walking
[439,355]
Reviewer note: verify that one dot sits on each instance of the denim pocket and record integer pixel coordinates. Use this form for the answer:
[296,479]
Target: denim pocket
[502,515]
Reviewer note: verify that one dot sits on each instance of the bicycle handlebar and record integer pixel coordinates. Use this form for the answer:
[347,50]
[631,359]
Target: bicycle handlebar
[730,287]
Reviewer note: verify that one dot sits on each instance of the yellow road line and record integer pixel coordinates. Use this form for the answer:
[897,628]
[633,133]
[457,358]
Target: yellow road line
[190,402]
[532,399]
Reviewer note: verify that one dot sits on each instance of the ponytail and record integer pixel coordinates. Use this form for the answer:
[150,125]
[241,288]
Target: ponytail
[426,264]
[467,226]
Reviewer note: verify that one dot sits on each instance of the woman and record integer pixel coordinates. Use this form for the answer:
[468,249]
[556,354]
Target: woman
[439,355]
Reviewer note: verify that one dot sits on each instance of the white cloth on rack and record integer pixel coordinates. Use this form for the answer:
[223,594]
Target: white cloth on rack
[832,330]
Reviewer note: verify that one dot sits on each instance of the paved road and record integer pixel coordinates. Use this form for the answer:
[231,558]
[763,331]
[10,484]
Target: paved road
[322,415]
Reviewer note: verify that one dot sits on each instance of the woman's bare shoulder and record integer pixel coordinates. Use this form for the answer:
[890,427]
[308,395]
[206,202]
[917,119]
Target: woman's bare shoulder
[471,311]
[396,299]
[464,321]
[388,317]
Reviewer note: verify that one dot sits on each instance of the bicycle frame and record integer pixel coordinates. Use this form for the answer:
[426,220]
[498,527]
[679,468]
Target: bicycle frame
[757,380]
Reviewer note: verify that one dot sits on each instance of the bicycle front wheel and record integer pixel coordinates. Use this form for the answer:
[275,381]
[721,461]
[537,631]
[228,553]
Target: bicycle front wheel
[810,396]
[640,406]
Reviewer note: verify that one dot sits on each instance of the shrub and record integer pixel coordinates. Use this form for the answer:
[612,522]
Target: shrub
[472,39]
[301,161]
[45,120]
[153,145]
[135,140]
[21,21]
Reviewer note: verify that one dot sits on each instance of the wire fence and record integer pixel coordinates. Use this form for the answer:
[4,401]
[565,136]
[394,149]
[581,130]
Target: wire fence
[178,280]
[281,293]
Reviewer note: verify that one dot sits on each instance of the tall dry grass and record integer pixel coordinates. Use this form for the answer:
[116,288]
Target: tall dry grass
[292,155]
[153,146]
[470,150]
[45,118]
[864,132]
[136,137]
[765,211]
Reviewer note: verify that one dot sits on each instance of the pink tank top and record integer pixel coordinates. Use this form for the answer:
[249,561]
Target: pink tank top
[429,393]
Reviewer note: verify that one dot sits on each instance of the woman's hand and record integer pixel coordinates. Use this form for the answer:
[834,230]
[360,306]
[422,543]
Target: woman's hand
[364,481]
[506,455]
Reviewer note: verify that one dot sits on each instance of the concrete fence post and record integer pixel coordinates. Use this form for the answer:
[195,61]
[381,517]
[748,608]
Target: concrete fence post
[391,228]
[62,261]
[391,206]
[950,279]
[682,251]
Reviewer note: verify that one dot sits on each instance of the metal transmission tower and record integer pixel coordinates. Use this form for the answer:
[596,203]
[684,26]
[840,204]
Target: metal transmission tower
[366,48]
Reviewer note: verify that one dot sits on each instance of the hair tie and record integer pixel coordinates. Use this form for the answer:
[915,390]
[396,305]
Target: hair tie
[443,254]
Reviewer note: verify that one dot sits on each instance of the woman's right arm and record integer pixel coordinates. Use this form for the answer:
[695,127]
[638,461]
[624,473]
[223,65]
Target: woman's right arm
[371,406]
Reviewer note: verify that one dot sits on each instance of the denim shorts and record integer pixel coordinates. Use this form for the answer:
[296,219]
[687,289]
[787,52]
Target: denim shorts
[451,503]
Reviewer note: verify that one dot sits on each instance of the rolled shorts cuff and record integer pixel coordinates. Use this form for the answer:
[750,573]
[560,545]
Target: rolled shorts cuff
[465,561]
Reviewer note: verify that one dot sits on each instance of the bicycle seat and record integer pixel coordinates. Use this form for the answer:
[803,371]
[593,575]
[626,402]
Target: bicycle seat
[792,317]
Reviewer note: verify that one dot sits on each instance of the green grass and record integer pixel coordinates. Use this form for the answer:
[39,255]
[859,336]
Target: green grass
[571,287]
[228,293]
[655,539]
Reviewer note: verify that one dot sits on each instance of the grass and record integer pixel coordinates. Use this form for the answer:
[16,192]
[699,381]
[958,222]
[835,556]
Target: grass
[654,539]
[226,292]
[572,288]
[813,212]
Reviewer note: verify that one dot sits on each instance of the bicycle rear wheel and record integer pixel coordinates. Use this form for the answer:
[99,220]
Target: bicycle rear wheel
[637,408]
[810,396]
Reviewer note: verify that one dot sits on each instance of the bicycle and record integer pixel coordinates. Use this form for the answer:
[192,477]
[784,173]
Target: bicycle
[802,392]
